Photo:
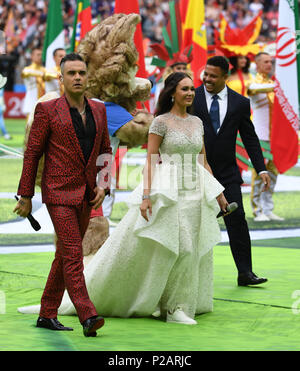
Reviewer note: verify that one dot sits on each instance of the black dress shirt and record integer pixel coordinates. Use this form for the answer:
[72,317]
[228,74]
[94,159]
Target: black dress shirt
[85,133]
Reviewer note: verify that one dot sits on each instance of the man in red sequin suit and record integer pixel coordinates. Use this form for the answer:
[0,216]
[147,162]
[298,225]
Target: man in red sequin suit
[72,133]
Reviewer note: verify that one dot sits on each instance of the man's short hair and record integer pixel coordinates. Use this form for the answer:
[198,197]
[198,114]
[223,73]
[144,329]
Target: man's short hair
[70,57]
[56,50]
[260,54]
[219,61]
[36,48]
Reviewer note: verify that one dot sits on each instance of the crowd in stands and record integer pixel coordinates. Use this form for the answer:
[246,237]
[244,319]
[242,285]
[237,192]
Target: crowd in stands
[24,23]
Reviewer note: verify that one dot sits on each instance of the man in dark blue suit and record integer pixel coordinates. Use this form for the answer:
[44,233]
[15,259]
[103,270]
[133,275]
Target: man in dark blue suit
[225,113]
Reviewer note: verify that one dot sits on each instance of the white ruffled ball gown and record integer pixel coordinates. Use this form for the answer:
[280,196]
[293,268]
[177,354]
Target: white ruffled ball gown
[168,261]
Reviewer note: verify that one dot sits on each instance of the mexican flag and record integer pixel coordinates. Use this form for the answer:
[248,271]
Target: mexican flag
[194,33]
[54,33]
[285,118]
[82,23]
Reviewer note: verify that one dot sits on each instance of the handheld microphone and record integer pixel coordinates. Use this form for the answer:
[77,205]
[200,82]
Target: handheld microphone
[230,208]
[34,223]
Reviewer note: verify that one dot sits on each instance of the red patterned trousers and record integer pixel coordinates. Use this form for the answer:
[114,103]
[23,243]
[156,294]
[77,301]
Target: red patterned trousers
[70,224]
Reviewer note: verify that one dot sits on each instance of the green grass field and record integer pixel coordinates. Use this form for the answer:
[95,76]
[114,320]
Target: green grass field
[16,129]
[264,318]
[6,207]
[11,168]
[25,239]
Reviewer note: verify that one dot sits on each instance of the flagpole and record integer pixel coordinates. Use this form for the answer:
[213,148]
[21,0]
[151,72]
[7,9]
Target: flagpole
[72,43]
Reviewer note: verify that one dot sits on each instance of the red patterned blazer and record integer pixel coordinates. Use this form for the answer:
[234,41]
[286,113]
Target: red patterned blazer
[66,174]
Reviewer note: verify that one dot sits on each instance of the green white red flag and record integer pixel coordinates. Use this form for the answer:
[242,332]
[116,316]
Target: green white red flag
[285,118]
[54,37]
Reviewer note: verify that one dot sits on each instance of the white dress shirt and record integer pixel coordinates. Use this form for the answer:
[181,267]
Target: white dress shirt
[223,102]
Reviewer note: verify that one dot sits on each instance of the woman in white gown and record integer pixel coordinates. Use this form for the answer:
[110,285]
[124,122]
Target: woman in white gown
[161,252]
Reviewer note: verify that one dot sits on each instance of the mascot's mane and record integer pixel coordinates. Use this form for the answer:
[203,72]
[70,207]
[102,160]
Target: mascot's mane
[111,56]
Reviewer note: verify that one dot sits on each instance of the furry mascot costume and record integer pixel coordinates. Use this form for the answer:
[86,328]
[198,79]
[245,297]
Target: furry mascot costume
[111,56]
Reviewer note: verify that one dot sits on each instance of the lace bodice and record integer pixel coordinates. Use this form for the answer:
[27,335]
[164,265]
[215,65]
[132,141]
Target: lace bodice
[182,142]
[180,135]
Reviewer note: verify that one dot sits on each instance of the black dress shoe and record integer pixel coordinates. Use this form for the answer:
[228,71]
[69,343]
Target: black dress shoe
[91,325]
[249,278]
[51,324]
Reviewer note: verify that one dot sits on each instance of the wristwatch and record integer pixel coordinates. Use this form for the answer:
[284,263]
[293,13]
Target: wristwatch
[146,197]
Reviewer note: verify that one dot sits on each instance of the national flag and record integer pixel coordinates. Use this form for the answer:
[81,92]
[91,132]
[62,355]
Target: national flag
[82,23]
[285,118]
[55,37]
[194,32]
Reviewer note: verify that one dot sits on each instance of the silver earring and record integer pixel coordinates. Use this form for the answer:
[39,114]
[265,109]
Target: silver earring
[172,99]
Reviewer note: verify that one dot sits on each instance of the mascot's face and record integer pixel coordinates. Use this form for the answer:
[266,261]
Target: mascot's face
[111,55]
[131,77]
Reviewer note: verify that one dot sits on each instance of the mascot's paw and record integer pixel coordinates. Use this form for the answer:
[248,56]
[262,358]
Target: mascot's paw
[95,235]
[135,132]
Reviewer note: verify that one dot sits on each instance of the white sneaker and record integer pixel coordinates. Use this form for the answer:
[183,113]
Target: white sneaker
[261,218]
[180,317]
[111,223]
[7,137]
[273,216]
[156,313]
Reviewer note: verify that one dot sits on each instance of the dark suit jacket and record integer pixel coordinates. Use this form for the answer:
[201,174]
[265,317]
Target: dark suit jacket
[66,175]
[221,147]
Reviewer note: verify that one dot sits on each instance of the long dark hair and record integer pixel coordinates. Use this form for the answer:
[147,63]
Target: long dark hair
[234,62]
[165,98]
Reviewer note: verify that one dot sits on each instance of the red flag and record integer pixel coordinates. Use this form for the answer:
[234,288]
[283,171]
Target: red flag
[284,135]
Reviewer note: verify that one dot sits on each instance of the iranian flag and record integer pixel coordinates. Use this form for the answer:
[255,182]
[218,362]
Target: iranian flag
[82,22]
[285,119]
[54,33]
[194,33]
